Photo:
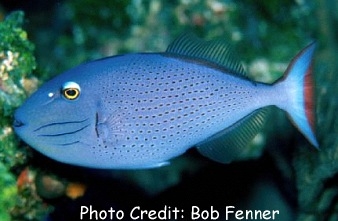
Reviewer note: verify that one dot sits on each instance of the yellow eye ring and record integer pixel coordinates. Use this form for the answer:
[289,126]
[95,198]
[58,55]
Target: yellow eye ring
[70,90]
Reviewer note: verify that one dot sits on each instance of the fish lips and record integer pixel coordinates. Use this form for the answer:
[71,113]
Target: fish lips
[23,128]
[18,123]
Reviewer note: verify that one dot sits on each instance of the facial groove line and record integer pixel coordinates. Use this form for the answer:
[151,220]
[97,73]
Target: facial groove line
[62,134]
[68,144]
[60,123]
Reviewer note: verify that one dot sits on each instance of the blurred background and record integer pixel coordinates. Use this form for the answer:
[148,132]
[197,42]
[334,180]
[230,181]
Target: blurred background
[280,170]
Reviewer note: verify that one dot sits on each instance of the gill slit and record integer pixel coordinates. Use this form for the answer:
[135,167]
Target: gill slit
[96,124]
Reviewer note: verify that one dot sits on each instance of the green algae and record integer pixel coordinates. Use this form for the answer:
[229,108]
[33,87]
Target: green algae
[16,83]
[16,64]
[8,192]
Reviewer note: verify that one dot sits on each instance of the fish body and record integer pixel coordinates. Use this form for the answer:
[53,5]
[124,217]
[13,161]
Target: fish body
[141,110]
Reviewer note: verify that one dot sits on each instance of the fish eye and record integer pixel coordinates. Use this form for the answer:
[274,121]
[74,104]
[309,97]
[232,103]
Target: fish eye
[70,90]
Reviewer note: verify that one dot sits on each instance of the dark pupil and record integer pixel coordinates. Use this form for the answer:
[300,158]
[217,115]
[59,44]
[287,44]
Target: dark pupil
[71,92]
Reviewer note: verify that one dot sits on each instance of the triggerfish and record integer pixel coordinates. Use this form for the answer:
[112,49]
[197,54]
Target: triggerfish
[140,110]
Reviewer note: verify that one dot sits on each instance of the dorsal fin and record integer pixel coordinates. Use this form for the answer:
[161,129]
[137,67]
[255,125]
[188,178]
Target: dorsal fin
[215,51]
[229,144]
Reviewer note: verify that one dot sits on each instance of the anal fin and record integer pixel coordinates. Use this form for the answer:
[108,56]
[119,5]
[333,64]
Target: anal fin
[228,144]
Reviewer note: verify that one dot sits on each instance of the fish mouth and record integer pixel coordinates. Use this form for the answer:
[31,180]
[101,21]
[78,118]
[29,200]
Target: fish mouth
[18,123]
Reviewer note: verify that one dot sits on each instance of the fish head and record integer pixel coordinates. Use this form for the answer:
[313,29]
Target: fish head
[59,117]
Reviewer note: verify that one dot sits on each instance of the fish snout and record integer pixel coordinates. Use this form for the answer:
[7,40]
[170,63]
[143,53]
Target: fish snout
[18,123]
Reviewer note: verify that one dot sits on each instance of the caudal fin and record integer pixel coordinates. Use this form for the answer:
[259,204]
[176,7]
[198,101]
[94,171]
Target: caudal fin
[298,83]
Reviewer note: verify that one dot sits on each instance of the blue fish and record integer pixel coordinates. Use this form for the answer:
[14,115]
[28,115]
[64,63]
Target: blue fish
[141,110]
